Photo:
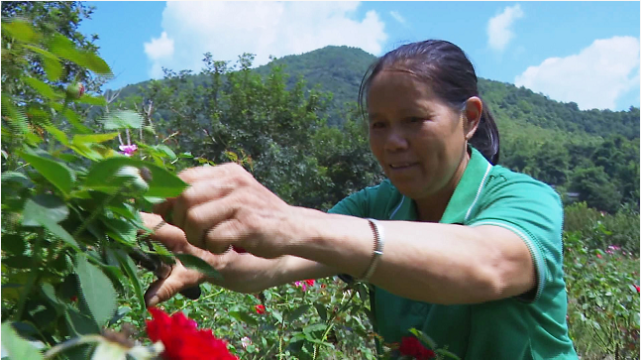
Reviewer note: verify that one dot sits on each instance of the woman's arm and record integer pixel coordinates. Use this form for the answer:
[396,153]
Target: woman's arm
[240,272]
[436,263]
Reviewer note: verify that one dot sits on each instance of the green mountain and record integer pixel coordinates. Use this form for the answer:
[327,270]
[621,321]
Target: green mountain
[593,154]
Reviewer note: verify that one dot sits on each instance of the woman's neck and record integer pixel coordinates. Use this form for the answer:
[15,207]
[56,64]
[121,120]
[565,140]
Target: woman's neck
[432,208]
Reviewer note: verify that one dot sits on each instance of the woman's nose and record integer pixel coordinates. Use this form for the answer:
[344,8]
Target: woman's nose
[396,140]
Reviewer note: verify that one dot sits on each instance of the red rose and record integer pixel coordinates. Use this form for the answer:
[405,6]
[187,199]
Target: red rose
[310,282]
[638,288]
[260,309]
[182,339]
[411,346]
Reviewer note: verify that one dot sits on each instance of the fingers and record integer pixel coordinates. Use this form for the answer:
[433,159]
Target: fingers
[197,194]
[164,289]
[170,236]
[220,179]
[203,220]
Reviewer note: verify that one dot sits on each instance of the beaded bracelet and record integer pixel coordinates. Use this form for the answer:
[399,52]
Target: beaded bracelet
[379,241]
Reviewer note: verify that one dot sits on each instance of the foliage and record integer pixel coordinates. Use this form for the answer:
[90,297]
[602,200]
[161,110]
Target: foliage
[603,291]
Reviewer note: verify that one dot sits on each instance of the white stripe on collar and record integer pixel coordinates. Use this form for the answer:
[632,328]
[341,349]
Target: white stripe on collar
[478,192]
[397,208]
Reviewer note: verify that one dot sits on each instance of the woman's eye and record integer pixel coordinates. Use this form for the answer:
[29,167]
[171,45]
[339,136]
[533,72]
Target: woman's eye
[415,119]
[377,125]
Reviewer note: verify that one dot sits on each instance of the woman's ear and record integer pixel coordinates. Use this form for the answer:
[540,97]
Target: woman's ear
[472,115]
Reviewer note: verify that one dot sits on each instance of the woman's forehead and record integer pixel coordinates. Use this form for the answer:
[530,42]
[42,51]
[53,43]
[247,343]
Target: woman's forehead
[398,89]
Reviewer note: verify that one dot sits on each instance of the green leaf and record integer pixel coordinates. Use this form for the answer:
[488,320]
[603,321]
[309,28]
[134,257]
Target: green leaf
[14,176]
[65,48]
[93,138]
[52,68]
[101,177]
[79,323]
[97,290]
[21,30]
[121,230]
[93,100]
[244,317]
[58,134]
[166,150]
[17,347]
[58,174]
[42,88]
[130,269]
[123,119]
[59,232]
[196,263]
[322,312]
[44,206]
[297,313]
[71,117]
[50,62]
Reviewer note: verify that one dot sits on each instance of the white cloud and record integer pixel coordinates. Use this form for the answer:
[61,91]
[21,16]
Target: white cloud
[594,78]
[228,29]
[499,28]
[397,16]
[159,48]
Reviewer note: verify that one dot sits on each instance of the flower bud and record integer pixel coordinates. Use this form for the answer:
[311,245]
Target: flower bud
[75,90]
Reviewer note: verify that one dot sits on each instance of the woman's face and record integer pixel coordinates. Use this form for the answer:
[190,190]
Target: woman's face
[417,138]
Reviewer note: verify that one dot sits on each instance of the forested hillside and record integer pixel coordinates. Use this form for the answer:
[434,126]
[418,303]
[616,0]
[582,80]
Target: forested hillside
[591,155]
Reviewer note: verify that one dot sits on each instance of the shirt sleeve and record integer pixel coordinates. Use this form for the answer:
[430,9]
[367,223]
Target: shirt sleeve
[533,211]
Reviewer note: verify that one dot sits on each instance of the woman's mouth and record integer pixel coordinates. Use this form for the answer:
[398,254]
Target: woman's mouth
[402,165]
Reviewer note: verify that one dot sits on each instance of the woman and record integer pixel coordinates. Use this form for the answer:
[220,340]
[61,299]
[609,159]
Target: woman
[466,251]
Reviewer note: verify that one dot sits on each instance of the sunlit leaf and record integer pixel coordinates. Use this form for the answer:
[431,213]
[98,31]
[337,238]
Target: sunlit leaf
[50,62]
[16,346]
[21,30]
[102,177]
[59,135]
[93,138]
[93,100]
[43,88]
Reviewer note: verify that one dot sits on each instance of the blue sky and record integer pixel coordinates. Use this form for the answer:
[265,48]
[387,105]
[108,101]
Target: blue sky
[586,52]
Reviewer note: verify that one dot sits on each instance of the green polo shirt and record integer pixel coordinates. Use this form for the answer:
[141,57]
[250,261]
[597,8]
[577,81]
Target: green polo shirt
[531,326]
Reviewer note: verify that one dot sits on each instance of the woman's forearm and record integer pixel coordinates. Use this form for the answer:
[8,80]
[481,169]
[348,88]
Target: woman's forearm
[437,263]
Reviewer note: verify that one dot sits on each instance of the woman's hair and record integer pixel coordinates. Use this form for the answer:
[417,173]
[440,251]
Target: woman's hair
[449,74]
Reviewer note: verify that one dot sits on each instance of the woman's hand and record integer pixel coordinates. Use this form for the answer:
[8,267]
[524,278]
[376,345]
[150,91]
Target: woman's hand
[240,272]
[226,206]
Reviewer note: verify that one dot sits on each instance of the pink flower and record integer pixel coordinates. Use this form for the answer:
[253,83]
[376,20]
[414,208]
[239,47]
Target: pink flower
[245,342]
[305,283]
[128,150]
